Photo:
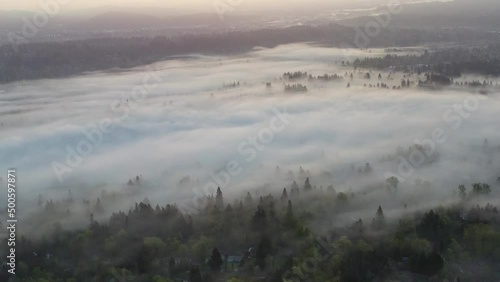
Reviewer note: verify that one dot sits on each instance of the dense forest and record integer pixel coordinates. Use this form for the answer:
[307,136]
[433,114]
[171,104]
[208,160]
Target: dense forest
[61,59]
[269,237]
[450,62]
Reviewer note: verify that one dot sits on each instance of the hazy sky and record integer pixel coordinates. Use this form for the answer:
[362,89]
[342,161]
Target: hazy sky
[183,4]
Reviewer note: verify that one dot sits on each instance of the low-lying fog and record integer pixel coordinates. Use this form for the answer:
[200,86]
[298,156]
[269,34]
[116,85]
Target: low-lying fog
[189,124]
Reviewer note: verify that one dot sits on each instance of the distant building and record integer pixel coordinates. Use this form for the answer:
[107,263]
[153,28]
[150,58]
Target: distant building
[232,263]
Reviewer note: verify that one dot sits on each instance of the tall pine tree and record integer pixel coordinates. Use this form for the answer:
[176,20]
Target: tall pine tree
[284,195]
[263,250]
[307,185]
[219,198]
[215,261]
[195,275]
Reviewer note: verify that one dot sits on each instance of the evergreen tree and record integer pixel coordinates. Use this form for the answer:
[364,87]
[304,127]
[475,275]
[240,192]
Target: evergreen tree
[263,250]
[302,172]
[358,226]
[368,168]
[378,223]
[289,220]
[433,228]
[219,199]
[277,171]
[284,195]
[98,206]
[380,212]
[248,199]
[295,188]
[307,185]
[215,261]
[195,275]
[259,219]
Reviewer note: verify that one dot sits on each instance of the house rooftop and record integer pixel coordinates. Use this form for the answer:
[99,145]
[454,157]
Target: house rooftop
[232,259]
